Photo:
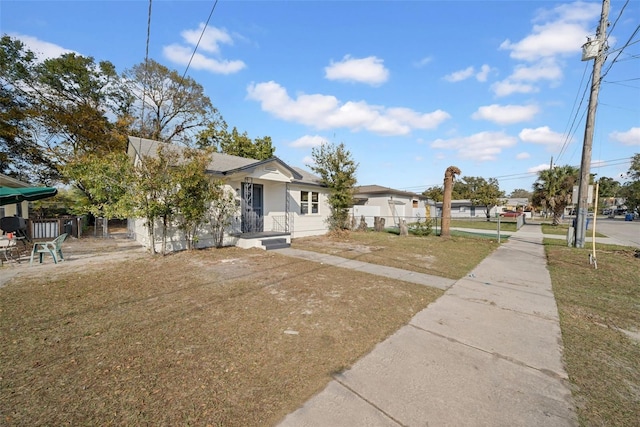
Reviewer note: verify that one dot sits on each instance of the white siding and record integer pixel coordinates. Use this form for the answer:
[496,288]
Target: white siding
[274,205]
[309,224]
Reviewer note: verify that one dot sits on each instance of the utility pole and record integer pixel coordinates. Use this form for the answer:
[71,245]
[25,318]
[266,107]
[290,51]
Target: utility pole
[585,165]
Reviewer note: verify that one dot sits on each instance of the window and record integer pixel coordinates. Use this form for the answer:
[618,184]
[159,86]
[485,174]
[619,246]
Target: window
[308,202]
[415,203]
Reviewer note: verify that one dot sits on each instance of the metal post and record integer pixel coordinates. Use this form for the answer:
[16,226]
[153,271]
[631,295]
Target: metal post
[247,208]
[287,207]
[585,165]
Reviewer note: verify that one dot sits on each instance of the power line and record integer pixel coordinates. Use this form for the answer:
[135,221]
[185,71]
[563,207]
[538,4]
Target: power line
[617,19]
[195,49]
[574,112]
[522,175]
[621,50]
[146,68]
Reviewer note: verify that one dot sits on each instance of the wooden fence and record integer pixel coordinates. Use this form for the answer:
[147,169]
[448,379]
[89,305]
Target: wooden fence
[50,228]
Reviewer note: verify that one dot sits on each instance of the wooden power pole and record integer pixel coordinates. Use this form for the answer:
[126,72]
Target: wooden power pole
[585,165]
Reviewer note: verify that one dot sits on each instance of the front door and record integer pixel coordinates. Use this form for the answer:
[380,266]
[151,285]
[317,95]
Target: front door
[252,216]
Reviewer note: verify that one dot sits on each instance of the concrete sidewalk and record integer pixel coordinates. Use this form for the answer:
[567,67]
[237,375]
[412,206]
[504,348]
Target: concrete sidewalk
[486,353]
[365,267]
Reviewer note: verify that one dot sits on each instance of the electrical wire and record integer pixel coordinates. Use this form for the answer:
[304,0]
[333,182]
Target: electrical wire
[195,49]
[522,175]
[627,44]
[613,26]
[574,113]
[146,74]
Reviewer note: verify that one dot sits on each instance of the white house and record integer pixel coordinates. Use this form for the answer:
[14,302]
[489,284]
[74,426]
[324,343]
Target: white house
[275,202]
[18,209]
[464,208]
[391,204]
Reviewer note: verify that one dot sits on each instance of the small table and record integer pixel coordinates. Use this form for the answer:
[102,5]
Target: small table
[13,248]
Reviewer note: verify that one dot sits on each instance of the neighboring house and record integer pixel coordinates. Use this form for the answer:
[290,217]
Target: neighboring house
[517,204]
[391,204]
[19,209]
[464,208]
[274,200]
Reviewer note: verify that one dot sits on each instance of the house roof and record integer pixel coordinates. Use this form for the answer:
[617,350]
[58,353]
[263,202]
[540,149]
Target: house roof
[307,177]
[223,164]
[458,203]
[380,190]
[7,181]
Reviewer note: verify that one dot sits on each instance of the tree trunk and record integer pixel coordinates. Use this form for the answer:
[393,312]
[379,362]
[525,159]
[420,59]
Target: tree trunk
[152,237]
[404,231]
[164,234]
[449,177]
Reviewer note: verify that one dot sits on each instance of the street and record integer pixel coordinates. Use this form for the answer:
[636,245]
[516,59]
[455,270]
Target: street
[626,232]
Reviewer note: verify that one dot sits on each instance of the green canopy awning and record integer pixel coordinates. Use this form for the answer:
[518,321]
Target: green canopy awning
[10,195]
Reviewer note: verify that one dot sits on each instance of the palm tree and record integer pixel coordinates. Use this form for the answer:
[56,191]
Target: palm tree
[553,189]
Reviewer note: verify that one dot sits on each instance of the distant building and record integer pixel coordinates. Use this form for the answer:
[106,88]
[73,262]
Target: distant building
[378,201]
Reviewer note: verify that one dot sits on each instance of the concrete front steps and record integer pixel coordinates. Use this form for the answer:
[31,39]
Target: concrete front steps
[277,243]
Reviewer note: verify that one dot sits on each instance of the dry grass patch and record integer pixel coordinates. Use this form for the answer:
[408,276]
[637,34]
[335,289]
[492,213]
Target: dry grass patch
[452,258]
[215,337]
[600,322]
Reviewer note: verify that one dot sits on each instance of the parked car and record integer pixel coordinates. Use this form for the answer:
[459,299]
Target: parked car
[510,214]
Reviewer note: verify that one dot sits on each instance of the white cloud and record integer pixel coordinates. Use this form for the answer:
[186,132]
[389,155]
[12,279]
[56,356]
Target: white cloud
[520,81]
[210,43]
[211,38]
[543,136]
[556,33]
[424,61]
[506,114]
[482,146]
[483,75]
[543,70]
[369,70]
[630,137]
[308,141]
[308,161]
[458,76]
[327,112]
[506,87]
[469,72]
[43,50]
[562,32]
[523,155]
[182,54]
[536,169]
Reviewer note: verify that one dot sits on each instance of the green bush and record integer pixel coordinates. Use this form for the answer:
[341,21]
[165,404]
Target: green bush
[421,228]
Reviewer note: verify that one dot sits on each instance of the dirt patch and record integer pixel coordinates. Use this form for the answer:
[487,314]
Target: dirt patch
[114,336]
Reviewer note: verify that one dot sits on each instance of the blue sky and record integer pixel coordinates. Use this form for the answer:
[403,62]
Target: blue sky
[496,88]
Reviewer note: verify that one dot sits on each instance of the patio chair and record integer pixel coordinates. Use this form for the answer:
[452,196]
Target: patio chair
[53,248]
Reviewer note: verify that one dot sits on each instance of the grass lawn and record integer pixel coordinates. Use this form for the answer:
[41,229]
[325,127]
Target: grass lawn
[600,322]
[243,337]
[452,258]
[214,337]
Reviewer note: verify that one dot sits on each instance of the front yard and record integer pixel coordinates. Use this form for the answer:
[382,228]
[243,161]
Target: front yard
[215,337]
[243,337]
